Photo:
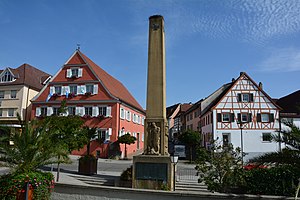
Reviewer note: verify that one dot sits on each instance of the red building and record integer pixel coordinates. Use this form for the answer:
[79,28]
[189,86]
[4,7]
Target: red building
[100,99]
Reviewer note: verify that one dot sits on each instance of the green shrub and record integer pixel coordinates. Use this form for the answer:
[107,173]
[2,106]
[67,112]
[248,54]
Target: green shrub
[127,174]
[281,180]
[41,183]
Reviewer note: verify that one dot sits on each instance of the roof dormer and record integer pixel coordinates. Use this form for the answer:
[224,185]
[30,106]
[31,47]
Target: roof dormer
[7,76]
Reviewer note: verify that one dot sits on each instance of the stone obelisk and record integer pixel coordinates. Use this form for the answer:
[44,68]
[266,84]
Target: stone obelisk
[156,122]
[153,169]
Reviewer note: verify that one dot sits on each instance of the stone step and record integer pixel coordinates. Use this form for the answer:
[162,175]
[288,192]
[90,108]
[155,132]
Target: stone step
[191,186]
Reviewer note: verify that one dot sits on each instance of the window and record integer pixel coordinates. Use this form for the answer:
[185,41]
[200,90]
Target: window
[74,72]
[13,94]
[122,113]
[73,89]
[1,94]
[102,134]
[244,117]
[188,118]
[245,97]
[102,111]
[57,90]
[265,117]
[90,88]
[43,111]
[266,137]
[11,112]
[88,111]
[195,114]
[1,112]
[72,110]
[128,115]
[7,77]
[226,139]
[225,117]
[191,116]
[55,111]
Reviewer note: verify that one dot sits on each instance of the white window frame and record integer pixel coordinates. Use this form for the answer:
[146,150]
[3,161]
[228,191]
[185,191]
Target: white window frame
[128,115]
[60,89]
[247,116]
[89,88]
[245,97]
[73,86]
[89,109]
[122,113]
[73,110]
[265,117]
[223,117]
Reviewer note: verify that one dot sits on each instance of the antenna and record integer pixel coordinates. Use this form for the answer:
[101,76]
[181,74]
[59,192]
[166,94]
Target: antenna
[78,47]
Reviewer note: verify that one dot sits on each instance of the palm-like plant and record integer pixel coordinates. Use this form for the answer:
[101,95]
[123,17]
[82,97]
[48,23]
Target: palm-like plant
[31,148]
[91,134]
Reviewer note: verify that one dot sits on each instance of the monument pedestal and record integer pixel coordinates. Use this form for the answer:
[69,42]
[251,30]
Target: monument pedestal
[153,172]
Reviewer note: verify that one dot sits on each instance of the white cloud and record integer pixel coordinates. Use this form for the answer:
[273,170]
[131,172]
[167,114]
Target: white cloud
[282,60]
[253,21]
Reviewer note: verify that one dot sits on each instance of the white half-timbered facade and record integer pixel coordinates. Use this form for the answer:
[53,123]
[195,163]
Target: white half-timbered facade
[243,115]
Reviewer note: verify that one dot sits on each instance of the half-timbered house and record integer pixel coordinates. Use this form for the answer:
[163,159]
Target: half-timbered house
[100,99]
[243,114]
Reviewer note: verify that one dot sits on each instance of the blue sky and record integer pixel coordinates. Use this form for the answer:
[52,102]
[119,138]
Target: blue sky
[208,42]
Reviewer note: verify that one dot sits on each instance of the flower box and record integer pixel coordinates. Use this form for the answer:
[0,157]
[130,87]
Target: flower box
[88,94]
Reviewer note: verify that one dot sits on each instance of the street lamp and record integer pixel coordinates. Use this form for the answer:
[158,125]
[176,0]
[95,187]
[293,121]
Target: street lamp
[174,160]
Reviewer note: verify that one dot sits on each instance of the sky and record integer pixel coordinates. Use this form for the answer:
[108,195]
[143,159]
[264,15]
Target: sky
[208,42]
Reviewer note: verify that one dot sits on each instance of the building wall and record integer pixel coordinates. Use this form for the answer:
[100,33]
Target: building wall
[193,120]
[20,104]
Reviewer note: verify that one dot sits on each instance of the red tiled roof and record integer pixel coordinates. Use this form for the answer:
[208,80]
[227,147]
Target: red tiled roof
[28,75]
[114,87]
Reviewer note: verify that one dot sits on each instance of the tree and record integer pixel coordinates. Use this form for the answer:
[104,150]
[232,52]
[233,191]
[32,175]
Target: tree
[126,139]
[66,133]
[222,169]
[191,139]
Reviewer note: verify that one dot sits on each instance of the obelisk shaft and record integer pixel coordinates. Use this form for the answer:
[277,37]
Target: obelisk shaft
[156,124]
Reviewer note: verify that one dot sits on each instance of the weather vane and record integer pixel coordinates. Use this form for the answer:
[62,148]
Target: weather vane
[78,46]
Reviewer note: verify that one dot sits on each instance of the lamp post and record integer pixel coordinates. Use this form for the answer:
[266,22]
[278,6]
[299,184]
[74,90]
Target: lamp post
[242,145]
[174,160]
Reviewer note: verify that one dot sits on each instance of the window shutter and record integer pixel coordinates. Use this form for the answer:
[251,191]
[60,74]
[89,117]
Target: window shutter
[107,134]
[219,117]
[52,90]
[239,117]
[95,89]
[77,111]
[95,111]
[79,89]
[239,97]
[232,117]
[251,97]
[80,72]
[110,131]
[258,117]
[63,90]
[108,111]
[67,90]
[249,117]
[69,73]
[49,111]
[271,117]
[37,111]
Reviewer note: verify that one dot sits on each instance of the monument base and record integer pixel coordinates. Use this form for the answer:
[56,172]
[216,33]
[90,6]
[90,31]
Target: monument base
[153,172]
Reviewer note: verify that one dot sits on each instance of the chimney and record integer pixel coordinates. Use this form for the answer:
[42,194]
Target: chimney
[260,85]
